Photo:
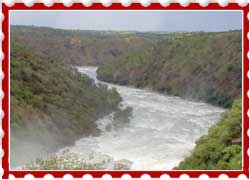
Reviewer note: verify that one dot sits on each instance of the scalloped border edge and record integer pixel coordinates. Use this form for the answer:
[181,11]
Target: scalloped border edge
[122,5]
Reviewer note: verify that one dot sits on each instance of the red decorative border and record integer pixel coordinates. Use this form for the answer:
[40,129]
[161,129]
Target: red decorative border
[118,6]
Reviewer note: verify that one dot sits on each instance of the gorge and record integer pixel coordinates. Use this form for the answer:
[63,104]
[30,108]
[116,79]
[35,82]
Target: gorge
[161,131]
[156,101]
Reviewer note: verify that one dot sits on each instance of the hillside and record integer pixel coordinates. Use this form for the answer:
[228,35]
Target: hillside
[51,105]
[221,148]
[81,47]
[198,66]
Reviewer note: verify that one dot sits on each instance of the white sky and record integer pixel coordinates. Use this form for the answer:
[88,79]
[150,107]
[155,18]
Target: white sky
[131,20]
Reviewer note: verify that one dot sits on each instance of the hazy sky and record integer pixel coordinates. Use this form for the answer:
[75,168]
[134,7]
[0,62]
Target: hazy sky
[131,20]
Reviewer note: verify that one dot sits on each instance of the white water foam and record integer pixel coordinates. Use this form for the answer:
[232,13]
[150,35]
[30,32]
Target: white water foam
[161,133]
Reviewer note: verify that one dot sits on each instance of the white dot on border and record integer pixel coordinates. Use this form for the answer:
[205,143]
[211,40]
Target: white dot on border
[1,16]
[242,3]
[145,3]
[1,135]
[1,94]
[248,131]
[204,177]
[28,3]
[145,177]
[1,172]
[223,3]
[87,177]
[87,3]
[106,3]
[125,3]
[248,16]
[242,177]
[184,3]
[1,56]
[184,177]
[223,177]
[9,3]
[48,176]
[29,177]
[67,3]
[248,55]
[1,75]
[106,177]
[204,3]
[126,177]
[248,74]
[11,176]
[164,3]
[1,36]
[48,3]
[165,177]
[67,177]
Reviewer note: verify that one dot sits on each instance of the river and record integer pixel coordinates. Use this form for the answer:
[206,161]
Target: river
[161,132]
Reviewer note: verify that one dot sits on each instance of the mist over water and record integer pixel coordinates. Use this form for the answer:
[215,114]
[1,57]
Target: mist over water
[161,133]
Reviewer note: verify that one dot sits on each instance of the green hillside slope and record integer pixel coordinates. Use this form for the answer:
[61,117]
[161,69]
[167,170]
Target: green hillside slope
[200,66]
[81,47]
[51,105]
[221,148]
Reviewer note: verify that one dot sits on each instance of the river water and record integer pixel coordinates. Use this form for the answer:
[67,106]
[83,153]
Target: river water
[161,132]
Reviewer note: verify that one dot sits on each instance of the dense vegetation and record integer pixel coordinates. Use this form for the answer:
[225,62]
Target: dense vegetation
[200,66]
[221,148]
[72,161]
[51,104]
[81,47]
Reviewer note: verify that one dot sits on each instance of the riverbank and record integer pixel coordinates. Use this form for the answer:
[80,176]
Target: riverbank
[221,148]
[51,105]
[201,66]
[154,126]
[159,125]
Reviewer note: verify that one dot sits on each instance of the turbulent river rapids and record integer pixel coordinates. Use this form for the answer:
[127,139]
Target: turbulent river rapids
[162,131]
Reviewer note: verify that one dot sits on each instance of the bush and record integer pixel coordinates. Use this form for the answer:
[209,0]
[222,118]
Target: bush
[51,99]
[217,149]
